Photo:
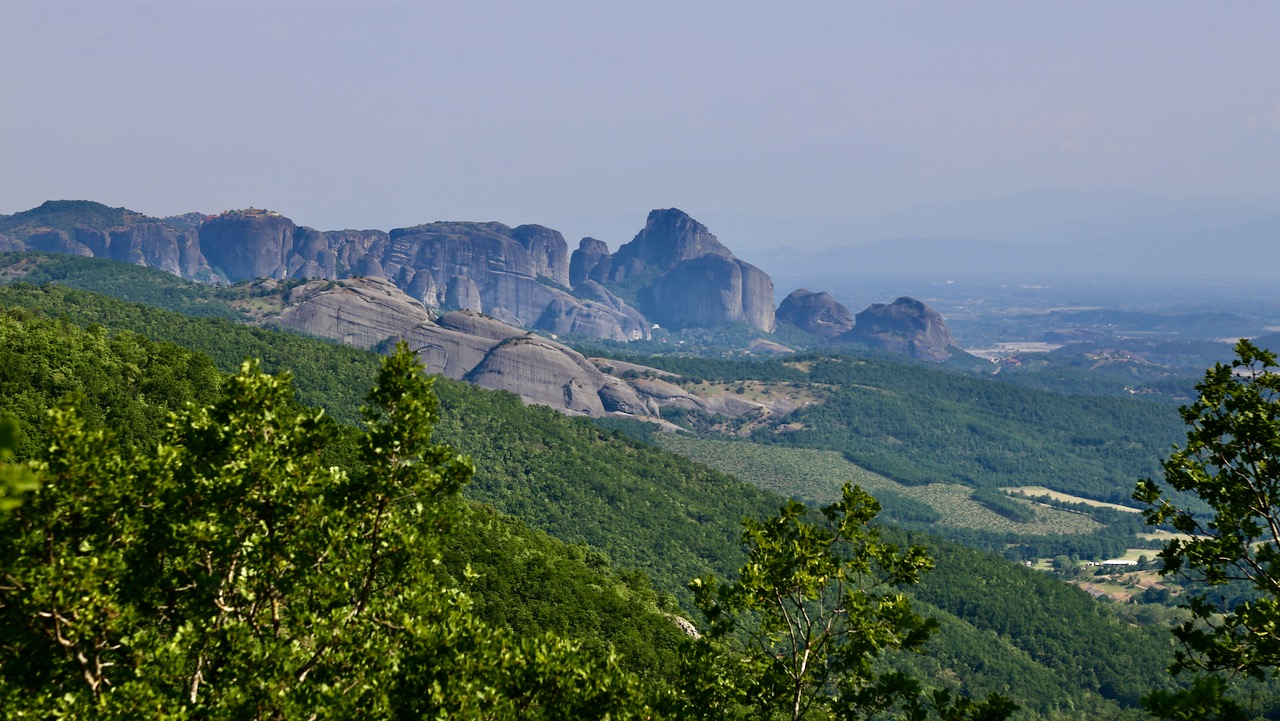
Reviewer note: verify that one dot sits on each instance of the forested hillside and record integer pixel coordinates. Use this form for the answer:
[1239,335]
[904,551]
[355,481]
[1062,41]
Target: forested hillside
[632,511]
[916,424]
[128,385]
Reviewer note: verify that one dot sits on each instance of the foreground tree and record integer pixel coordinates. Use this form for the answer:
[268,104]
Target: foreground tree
[1231,462]
[15,479]
[815,605]
[228,573]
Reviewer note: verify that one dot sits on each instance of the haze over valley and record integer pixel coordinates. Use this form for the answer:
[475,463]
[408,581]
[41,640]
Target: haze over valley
[570,360]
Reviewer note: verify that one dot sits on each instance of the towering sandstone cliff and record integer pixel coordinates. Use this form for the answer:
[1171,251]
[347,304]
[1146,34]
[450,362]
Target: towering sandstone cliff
[674,272]
[816,313]
[681,275]
[905,326]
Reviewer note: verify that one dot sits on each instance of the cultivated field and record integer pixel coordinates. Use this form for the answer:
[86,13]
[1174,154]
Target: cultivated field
[816,476]
[1037,491]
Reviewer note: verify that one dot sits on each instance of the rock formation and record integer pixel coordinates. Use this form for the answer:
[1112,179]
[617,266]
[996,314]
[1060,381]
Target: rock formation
[682,275]
[669,237]
[461,293]
[606,313]
[362,313]
[85,228]
[816,313]
[464,345]
[157,245]
[371,312]
[547,249]
[248,244]
[905,326]
[585,259]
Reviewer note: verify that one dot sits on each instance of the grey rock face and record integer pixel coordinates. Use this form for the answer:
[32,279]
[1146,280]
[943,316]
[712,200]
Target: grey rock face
[362,312]
[662,394]
[352,246]
[462,294]
[57,241]
[817,313]
[702,292]
[757,297]
[567,316]
[696,280]
[422,288]
[478,325]
[464,345]
[585,259]
[669,237]
[503,270]
[521,276]
[312,256]
[460,344]
[248,244]
[547,249]
[633,325]
[618,397]
[542,373]
[905,326]
[154,245]
[93,229]
[712,291]
[596,313]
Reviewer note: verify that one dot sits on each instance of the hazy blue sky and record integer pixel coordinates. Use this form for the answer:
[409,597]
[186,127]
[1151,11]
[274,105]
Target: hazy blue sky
[380,113]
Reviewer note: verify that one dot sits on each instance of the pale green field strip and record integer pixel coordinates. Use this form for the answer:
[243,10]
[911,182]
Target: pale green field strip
[1035,491]
[817,476]
[1159,535]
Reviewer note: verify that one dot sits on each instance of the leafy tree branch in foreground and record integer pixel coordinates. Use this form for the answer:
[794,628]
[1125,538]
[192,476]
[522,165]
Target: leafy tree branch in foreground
[815,605]
[227,574]
[1231,461]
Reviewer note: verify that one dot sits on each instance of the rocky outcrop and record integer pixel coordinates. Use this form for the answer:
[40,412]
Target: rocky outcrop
[568,317]
[370,312]
[589,254]
[757,297]
[669,238]
[57,241]
[760,346]
[156,245]
[461,294]
[505,273]
[85,228]
[543,373]
[311,256]
[594,313]
[687,277]
[464,345]
[905,326]
[702,292]
[816,313]
[355,250]
[712,291]
[248,244]
[363,312]
[523,276]
[547,249]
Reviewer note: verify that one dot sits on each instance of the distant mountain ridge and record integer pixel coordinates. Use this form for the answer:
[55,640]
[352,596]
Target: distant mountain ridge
[1041,231]
[674,273]
[520,275]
